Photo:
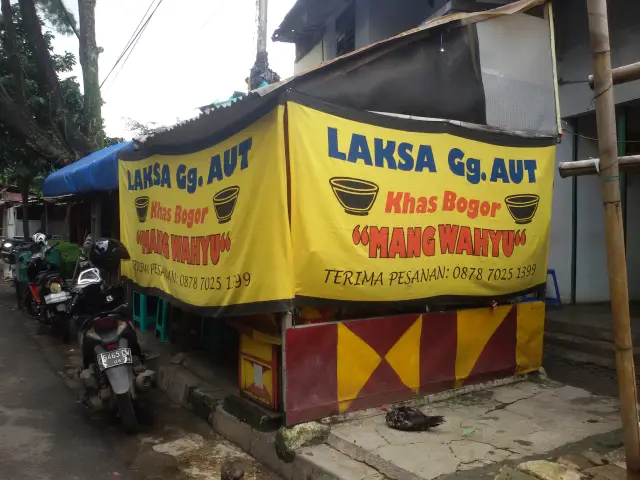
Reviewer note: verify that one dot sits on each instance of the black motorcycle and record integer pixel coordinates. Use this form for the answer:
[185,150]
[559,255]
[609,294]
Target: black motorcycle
[113,374]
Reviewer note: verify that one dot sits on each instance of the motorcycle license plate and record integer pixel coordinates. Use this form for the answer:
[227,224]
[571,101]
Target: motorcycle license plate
[56,297]
[114,358]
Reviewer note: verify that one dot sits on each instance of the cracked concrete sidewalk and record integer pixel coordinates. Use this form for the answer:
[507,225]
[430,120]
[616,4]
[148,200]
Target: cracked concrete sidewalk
[482,429]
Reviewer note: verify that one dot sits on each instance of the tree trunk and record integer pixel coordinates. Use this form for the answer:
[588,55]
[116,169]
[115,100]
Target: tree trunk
[63,119]
[10,47]
[21,124]
[24,184]
[89,53]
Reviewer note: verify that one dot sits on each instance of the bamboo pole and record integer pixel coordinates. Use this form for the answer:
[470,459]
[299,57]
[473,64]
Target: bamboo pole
[616,261]
[624,74]
[590,166]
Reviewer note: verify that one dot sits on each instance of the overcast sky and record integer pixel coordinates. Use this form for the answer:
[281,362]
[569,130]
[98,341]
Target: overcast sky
[193,52]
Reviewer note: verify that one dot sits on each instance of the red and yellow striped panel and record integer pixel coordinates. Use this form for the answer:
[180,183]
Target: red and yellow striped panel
[346,366]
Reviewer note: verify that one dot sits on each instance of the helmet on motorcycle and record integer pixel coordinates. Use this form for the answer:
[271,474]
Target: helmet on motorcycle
[40,238]
[107,253]
[86,246]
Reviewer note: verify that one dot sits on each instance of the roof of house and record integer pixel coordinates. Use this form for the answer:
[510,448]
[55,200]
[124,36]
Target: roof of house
[218,118]
[305,17]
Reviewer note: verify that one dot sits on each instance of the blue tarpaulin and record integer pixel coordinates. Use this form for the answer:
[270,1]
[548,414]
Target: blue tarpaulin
[95,172]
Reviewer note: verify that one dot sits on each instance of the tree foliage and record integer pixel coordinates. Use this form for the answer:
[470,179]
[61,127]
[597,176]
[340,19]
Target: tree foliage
[19,162]
[57,15]
[36,97]
[139,128]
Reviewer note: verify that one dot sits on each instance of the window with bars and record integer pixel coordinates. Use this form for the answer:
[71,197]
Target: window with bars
[346,31]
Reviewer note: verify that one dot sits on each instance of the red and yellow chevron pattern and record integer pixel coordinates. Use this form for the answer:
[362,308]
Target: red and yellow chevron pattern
[345,366]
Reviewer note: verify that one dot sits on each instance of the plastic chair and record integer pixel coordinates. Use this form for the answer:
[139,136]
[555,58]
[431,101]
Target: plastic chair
[140,310]
[162,320]
[556,299]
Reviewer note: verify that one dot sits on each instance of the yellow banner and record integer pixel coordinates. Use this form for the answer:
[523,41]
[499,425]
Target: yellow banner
[395,214]
[210,228]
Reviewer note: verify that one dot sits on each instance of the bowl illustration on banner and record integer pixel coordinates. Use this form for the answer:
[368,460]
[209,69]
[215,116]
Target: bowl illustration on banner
[142,207]
[522,207]
[356,196]
[224,202]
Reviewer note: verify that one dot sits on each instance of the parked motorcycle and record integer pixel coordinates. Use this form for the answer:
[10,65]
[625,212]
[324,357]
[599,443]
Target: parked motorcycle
[114,374]
[47,295]
[12,250]
[90,294]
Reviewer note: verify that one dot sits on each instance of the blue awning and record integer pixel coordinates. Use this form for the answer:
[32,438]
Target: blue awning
[95,172]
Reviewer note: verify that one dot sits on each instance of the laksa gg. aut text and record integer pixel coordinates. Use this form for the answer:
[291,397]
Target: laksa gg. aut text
[221,165]
[405,156]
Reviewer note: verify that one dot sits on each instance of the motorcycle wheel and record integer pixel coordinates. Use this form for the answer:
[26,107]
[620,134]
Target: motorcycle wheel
[127,413]
[31,305]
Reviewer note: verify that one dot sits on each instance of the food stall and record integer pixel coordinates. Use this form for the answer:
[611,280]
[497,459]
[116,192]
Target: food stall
[364,258]
[349,210]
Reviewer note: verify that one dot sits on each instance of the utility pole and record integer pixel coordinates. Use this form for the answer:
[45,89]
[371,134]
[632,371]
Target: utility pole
[261,74]
[262,25]
[616,259]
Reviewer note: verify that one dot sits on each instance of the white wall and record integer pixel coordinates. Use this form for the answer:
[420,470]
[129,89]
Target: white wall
[34,225]
[560,245]
[310,60]
[592,281]
[10,221]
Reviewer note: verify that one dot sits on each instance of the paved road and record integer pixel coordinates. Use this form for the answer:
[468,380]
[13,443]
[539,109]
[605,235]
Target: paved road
[46,434]
[43,431]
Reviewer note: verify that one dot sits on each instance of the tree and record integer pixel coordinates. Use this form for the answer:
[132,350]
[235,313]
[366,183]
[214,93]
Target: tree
[138,128]
[60,136]
[19,75]
[63,21]
[89,52]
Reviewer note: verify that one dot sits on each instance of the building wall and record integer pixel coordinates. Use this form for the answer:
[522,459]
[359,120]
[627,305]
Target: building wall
[576,100]
[311,59]
[387,19]
[574,54]
[561,238]
[592,281]
[633,235]
[10,221]
[34,226]
[375,20]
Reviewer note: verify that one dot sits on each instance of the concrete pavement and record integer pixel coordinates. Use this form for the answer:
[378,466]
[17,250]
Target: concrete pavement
[482,431]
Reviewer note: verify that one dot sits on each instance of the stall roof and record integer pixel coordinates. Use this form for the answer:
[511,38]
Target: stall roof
[95,172]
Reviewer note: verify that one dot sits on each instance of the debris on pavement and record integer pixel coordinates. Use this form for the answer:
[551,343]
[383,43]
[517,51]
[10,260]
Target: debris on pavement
[410,419]
[588,465]
[545,470]
[231,470]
